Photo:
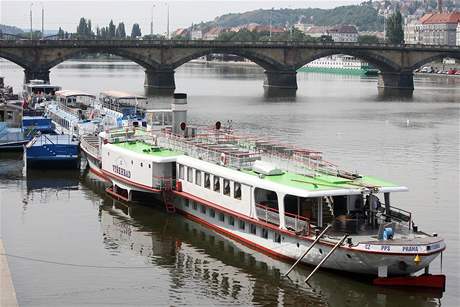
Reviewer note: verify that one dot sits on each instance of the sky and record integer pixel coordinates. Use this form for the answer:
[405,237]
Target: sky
[66,13]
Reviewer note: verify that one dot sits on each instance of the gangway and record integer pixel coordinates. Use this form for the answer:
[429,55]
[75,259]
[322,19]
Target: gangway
[308,249]
[325,258]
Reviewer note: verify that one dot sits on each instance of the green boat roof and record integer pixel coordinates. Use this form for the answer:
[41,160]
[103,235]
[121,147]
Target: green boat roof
[144,148]
[324,182]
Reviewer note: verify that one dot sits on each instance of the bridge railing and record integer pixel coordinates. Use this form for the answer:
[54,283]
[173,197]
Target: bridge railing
[54,39]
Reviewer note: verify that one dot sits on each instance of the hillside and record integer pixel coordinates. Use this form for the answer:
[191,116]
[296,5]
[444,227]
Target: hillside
[364,17]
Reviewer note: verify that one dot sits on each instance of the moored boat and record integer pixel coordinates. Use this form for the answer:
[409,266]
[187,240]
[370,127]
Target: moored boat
[273,197]
[340,64]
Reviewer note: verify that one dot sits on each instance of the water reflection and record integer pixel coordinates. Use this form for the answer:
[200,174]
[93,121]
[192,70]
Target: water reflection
[228,270]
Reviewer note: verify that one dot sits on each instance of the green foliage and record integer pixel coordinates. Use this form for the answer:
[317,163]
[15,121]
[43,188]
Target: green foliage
[136,31]
[394,31]
[120,31]
[364,17]
[245,35]
[368,39]
[84,30]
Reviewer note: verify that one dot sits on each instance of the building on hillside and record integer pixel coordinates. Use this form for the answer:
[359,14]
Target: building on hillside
[343,34]
[182,32]
[212,34]
[316,31]
[439,28]
[196,34]
[303,27]
[412,32]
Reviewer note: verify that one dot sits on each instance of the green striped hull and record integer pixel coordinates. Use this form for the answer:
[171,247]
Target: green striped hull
[341,71]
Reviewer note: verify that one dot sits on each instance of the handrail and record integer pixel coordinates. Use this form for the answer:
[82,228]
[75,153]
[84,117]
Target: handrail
[300,217]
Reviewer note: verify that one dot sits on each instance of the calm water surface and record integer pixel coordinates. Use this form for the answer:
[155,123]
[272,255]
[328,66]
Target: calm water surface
[139,255]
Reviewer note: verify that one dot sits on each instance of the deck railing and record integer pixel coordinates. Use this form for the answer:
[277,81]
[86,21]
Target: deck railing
[163,183]
[298,224]
[87,146]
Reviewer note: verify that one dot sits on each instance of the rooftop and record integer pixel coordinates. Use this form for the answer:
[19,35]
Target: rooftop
[441,18]
[144,148]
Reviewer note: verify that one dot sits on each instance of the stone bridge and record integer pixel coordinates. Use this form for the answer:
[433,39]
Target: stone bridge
[279,59]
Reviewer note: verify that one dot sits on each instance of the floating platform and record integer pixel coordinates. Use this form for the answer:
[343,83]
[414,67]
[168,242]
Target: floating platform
[53,151]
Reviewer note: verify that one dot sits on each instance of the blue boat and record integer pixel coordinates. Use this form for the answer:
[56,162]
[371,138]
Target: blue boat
[34,124]
[59,151]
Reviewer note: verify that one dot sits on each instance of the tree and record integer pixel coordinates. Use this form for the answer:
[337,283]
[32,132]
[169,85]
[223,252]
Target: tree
[61,33]
[368,39]
[395,32]
[136,31]
[111,29]
[120,31]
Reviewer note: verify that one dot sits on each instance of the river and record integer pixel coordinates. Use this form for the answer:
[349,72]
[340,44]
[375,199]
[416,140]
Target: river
[100,252]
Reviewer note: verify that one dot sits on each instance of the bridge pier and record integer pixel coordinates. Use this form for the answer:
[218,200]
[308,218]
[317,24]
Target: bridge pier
[281,79]
[396,82]
[40,74]
[161,80]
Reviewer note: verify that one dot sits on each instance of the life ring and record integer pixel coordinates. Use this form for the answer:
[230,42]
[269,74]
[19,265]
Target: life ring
[223,159]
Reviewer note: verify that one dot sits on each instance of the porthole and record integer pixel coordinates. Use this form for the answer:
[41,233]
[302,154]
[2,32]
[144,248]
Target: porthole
[349,256]
[320,251]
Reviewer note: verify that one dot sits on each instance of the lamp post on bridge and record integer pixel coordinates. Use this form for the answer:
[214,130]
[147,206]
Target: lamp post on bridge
[30,11]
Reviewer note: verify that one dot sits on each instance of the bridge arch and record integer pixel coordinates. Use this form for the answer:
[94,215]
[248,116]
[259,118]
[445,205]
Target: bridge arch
[434,57]
[379,61]
[126,54]
[263,61]
[16,59]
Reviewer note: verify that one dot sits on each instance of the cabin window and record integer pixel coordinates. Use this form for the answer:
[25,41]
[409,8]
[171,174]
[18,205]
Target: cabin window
[198,177]
[181,171]
[241,224]
[186,202]
[216,184]
[237,190]
[221,217]
[264,233]
[195,205]
[227,187]
[231,220]
[203,209]
[212,213]
[190,174]
[132,162]
[142,164]
[150,166]
[277,237]
[253,228]
[207,181]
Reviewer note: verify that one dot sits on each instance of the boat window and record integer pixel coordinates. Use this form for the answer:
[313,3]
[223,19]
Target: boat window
[203,209]
[216,184]
[267,202]
[231,220]
[227,187]
[207,181]
[198,177]
[237,190]
[150,166]
[195,205]
[253,229]
[241,224]
[221,217]
[181,171]
[186,201]
[212,213]
[277,237]
[189,174]
[264,233]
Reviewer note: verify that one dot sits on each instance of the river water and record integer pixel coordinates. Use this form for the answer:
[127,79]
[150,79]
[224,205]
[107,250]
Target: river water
[96,251]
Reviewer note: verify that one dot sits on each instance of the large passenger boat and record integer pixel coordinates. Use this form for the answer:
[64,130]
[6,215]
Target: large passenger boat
[276,198]
[340,64]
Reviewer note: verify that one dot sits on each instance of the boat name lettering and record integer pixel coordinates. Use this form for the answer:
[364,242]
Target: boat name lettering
[121,171]
[385,248]
[410,249]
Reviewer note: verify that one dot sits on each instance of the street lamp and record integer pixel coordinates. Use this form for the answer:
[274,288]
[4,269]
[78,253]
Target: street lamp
[151,23]
[30,10]
[167,21]
[43,20]
[271,13]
